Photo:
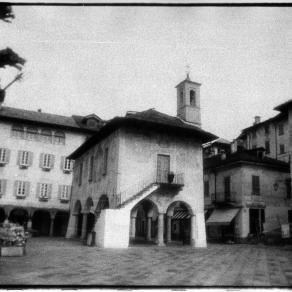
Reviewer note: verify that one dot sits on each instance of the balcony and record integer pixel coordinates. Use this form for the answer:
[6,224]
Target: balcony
[222,198]
[170,179]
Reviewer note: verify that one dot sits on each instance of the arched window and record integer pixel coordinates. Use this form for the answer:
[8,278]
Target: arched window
[46,135]
[18,131]
[59,137]
[32,133]
[192,98]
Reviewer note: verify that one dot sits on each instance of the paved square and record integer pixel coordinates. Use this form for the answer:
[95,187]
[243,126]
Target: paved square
[52,261]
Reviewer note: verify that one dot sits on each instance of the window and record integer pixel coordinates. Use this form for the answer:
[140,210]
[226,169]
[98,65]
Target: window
[18,131]
[281,129]
[90,176]
[59,138]
[255,185]
[105,162]
[80,174]
[24,159]
[206,188]
[4,156]
[64,193]
[46,135]
[192,98]
[267,129]
[47,161]
[32,133]
[282,148]
[67,165]
[44,191]
[288,188]
[21,189]
[254,135]
[2,187]
[227,188]
[267,146]
[181,96]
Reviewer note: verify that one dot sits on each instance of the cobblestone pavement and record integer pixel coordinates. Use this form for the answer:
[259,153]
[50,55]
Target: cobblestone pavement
[64,262]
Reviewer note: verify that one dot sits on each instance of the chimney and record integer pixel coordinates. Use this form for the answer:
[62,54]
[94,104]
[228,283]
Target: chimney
[39,110]
[257,120]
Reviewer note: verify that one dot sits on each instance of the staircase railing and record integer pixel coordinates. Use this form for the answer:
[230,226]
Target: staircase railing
[133,191]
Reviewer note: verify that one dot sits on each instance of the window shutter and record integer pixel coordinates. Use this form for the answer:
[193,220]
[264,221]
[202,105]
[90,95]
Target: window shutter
[72,162]
[41,160]
[7,155]
[19,157]
[69,192]
[59,192]
[50,187]
[38,189]
[52,161]
[15,187]
[27,188]
[63,159]
[30,158]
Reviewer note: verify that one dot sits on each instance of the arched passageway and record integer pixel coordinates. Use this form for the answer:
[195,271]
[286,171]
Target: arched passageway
[41,222]
[178,223]
[2,215]
[60,223]
[19,216]
[144,222]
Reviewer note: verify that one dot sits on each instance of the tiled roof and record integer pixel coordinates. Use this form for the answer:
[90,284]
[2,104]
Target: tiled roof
[245,156]
[284,106]
[152,119]
[35,117]
[277,117]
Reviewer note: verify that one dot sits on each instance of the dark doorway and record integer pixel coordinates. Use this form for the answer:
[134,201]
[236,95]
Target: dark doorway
[19,216]
[2,215]
[181,225]
[60,223]
[90,223]
[41,222]
[79,224]
[256,221]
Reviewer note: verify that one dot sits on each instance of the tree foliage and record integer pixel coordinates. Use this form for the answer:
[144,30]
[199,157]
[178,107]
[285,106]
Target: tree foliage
[6,13]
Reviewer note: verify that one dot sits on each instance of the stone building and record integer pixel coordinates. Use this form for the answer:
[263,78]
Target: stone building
[216,147]
[246,193]
[35,176]
[271,134]
[140,178]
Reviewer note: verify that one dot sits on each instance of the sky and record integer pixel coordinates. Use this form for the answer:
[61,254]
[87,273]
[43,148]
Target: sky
[110,60]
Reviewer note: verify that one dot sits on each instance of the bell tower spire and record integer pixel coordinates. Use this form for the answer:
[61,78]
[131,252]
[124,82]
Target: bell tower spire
[188,100]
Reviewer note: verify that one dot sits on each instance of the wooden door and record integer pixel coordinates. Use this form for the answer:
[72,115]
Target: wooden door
[163,167]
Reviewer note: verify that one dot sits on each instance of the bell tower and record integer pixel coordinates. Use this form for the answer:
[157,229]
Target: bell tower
[188,101]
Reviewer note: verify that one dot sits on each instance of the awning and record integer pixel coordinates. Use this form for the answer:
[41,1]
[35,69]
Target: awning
[181,215]
[222,216]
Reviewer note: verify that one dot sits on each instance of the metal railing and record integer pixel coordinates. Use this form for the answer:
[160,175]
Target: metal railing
[171,178]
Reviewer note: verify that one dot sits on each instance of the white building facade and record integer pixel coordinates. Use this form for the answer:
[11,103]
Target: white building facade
[140,178]
[35,176]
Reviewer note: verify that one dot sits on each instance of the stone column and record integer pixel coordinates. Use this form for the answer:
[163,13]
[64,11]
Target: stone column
[168,230]
[72,226]
[193,231]
[160,229]
[84,225]
[133,227]
[52,214]
[149,222]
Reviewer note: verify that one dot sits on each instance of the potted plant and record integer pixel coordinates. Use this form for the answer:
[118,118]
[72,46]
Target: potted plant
[170,177]
[12,240]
